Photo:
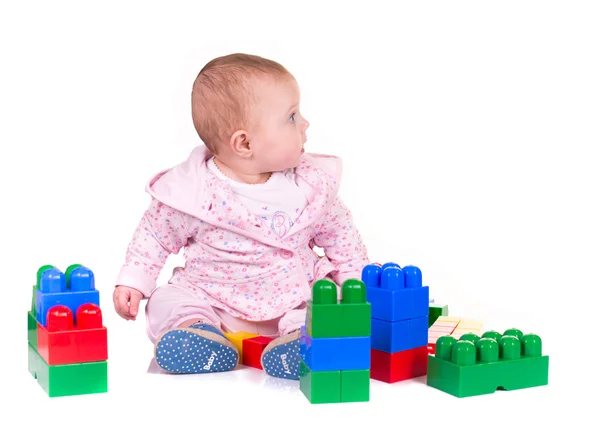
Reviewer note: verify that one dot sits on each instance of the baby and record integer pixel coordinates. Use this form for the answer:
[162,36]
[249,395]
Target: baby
[248,207]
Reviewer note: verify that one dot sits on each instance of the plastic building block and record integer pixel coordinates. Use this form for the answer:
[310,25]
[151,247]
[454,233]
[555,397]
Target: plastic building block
[67,343]
[328,318]
[435,311]
[396,293]
[32,334]
[467,326]
[320,386]
[252,349]
[472,366]
[453,326]
[64,342]
[356,385]
[335,344]
[237,339]
[72,289]
[68,379]
[398,366]
[334,386]
[400,321]
[399,336]
[330,354]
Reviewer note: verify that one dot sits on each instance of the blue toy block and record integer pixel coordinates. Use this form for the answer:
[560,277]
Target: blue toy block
[392,337]
[73,289]
[335,354]
[395,293]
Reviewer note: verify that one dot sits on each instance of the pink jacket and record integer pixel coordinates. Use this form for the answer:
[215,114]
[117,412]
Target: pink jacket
[234,259]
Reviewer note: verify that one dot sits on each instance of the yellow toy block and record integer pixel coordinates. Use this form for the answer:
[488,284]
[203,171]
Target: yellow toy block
[468,326]
[453,326]
[448,319]
[237,338]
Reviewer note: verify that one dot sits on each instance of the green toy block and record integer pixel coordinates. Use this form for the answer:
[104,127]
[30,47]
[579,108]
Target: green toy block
[435,311]
[32,330]
[356,385]
[68,379]
[474,366]
[334,386]
[320,386]
[328,318]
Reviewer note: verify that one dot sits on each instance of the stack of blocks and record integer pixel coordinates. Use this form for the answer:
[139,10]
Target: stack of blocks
[473,365]
[335,344]
[400,321]
[68,349]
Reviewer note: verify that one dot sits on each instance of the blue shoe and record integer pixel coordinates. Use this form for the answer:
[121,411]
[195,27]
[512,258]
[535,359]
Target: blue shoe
[281,357]
[200,348]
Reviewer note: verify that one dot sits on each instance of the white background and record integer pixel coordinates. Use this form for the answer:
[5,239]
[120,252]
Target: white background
[469,132]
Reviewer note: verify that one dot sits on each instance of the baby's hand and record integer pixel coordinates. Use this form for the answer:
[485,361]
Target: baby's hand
[127,302]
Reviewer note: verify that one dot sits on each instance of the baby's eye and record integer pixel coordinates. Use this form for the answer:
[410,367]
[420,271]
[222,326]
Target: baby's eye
[293,118]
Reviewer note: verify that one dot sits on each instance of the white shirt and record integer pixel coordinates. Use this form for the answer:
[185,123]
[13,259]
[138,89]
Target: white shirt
[278,201]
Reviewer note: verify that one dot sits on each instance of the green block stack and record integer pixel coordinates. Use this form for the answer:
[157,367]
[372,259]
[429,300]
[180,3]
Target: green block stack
[337,334]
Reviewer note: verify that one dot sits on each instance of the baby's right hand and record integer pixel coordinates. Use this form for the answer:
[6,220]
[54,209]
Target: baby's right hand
[127,302]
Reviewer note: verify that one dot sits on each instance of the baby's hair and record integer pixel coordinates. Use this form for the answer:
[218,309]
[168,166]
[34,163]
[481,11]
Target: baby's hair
[222,95]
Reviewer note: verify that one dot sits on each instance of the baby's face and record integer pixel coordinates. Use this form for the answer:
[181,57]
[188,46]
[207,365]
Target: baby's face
[280,130]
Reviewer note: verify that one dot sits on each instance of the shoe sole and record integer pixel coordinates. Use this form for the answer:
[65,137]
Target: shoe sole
[281,357]
[187,351]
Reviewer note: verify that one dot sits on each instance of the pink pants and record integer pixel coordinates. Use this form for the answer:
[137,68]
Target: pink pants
[170,305]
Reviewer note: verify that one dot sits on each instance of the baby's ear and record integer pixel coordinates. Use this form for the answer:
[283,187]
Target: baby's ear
[240,144]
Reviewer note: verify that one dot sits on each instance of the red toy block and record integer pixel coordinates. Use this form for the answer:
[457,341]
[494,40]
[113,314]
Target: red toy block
[252,349]
[64,343]
[399,366]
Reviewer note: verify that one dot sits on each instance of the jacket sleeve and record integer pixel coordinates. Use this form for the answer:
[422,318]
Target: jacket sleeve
[342,244]
[162,231]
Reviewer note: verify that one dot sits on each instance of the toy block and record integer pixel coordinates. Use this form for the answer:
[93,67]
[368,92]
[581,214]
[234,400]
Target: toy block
[396,293]
[68,379]
[252,349]
[32,334]
[64,342]
[468,326]
[330,354]
[320,386]
[435,311]
[334,386]
[474,365]
[73,288]
[237,339]
[356,385]
[395,367]
[399,336]
[443,326]
[328,318]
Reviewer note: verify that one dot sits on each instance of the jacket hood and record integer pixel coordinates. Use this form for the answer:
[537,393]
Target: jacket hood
[192,188]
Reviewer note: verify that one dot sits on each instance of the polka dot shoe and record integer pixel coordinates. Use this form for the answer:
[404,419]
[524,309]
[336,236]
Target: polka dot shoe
[199,348]
[281,358]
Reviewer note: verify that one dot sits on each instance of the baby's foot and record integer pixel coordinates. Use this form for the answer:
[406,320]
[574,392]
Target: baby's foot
[200,348]
[281,358]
